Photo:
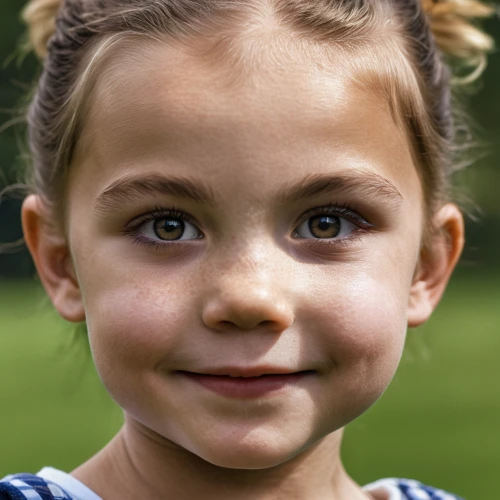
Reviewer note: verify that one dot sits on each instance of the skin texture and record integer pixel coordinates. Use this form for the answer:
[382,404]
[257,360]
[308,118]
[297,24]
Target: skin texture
[247,291]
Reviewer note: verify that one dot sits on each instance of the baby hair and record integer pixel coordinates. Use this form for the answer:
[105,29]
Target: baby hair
[406,47]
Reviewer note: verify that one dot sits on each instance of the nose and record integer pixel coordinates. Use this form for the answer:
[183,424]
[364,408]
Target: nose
[247,296]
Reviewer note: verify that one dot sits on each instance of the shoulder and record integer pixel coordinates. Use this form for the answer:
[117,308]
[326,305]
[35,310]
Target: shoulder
[408,489]
[29,486]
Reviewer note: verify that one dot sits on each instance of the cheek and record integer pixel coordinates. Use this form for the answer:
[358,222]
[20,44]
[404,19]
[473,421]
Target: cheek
[134,318]
[362,320]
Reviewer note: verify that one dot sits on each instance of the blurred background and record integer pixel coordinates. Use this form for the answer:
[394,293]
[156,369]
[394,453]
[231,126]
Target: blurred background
[438,422]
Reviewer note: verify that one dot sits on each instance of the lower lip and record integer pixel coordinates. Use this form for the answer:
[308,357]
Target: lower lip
[244,388]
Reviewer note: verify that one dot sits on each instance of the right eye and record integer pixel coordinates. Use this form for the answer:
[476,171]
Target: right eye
[169,229]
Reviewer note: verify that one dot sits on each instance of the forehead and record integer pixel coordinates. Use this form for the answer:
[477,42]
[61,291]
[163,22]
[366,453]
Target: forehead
[167,108]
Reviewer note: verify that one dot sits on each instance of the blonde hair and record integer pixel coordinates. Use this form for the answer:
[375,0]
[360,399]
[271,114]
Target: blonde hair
[457,36]
[427,38]
[40,16]
[452,28]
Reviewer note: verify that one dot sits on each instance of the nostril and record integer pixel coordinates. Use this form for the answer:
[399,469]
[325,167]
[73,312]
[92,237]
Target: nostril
[246,312]
[241,325]
[266,323]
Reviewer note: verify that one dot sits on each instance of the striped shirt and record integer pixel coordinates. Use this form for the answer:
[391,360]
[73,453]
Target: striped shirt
[53,484]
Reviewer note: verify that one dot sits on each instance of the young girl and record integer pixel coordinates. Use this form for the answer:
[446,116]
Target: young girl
[247,202]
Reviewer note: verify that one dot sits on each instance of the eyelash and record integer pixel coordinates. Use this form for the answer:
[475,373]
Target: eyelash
[158,213]
[343,210]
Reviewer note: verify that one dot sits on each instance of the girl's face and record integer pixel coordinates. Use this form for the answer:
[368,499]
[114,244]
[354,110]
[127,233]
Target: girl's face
[248,227]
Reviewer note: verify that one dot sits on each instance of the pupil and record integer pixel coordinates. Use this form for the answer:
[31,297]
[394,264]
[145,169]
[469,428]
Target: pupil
[324,226]
[169,229]
[171,226]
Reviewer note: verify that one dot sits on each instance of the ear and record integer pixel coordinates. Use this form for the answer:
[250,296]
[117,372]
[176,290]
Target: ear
[49,249]
[436,264]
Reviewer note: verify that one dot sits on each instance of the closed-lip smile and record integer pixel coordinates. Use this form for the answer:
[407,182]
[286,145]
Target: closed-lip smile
[253,382]
[246,372]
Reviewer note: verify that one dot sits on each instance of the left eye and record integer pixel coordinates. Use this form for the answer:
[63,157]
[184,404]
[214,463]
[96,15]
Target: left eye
[170,229]
[324,227]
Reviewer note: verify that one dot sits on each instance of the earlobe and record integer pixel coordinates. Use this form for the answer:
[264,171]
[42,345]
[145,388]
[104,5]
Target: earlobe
[436,264]
[50,251]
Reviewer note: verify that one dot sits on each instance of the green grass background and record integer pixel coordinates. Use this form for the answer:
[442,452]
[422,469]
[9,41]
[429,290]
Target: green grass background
[438,422]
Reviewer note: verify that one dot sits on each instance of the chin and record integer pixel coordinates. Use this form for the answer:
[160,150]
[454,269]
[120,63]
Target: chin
[250,452]
[245,459]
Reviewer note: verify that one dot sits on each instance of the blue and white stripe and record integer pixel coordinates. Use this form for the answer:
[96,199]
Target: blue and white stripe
[30,487]
[409,489]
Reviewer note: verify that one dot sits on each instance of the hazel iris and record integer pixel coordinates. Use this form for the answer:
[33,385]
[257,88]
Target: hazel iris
[324,226]
[169,229]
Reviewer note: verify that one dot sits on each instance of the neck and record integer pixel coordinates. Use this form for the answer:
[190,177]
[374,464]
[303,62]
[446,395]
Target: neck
[137,460]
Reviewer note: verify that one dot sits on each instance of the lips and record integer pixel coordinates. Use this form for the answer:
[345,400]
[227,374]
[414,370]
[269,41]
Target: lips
[248,382]
[245,372]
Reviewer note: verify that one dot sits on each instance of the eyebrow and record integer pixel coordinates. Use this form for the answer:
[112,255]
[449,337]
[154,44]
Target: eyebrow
[363,183]
[129,188]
